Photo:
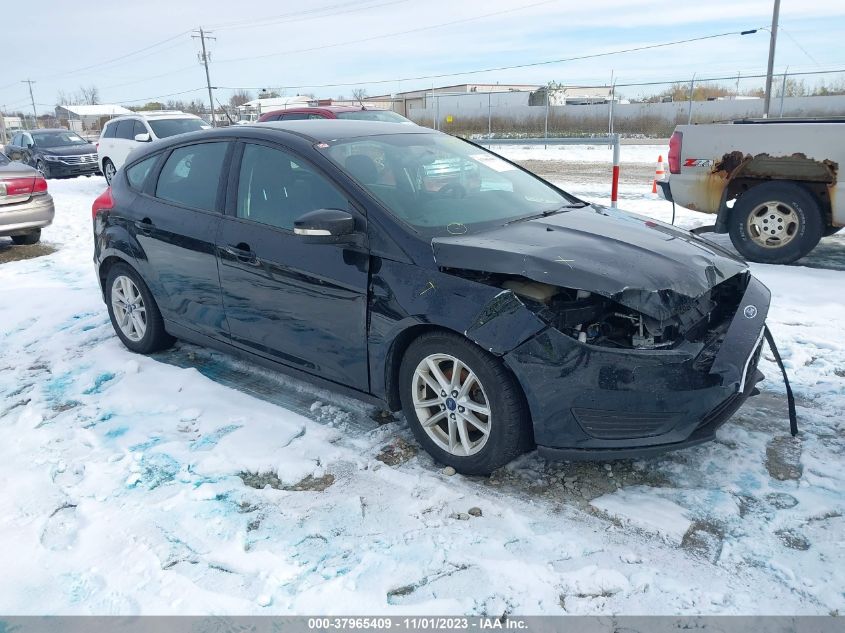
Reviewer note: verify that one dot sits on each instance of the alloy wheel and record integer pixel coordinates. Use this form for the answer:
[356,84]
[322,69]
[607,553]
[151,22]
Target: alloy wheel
[43,168]
[773,224]
[109,171]
[451,405]
[130,313]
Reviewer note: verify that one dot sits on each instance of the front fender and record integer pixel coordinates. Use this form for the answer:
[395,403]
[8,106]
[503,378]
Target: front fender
[404,296]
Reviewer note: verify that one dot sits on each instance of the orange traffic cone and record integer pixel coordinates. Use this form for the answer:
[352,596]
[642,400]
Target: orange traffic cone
[659,174]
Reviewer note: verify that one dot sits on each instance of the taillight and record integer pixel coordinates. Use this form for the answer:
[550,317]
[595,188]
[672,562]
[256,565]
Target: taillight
[40,184]
[23,186]
[675,144]
[104,202]
[97,146]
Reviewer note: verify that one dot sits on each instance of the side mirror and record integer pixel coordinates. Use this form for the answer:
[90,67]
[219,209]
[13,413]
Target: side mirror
[30,145]
[143,137]
[325,226]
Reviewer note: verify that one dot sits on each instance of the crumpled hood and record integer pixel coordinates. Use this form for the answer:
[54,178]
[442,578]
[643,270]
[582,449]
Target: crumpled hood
[648,266]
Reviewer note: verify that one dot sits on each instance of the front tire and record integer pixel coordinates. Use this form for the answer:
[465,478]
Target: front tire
[44,168]
[776,223]
[481,423]
[133,312]
[108,170]
[27,240]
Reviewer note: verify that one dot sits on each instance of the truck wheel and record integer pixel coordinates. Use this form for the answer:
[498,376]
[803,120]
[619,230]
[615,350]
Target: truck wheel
[776,223]
[463,406]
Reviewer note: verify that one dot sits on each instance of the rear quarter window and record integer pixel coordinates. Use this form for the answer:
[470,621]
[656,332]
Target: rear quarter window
[108,131]
[138,173]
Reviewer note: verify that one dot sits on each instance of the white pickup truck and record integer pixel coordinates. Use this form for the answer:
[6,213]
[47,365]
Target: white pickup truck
[773,183]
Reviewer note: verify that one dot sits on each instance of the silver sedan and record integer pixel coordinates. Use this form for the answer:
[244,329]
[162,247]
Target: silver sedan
[25,205]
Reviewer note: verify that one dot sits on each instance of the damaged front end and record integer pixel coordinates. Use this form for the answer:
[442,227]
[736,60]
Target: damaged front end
[605,381]
[596,320]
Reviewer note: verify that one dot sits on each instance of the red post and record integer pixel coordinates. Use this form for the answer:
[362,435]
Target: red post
[614,189]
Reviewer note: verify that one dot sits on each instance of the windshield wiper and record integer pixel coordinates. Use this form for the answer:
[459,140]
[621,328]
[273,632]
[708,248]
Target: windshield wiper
[548,212]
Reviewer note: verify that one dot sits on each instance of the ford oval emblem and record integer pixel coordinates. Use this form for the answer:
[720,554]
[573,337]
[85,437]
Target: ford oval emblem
[750,312]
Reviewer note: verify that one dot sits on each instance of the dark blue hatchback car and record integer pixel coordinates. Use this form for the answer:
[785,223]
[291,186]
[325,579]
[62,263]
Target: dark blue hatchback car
[422,272]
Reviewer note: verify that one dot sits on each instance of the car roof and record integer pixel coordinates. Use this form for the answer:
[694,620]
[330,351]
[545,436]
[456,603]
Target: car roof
[329,108]
[160,114]
[305,132]
[336,129]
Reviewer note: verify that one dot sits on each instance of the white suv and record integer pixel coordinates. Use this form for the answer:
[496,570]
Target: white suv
[123,134]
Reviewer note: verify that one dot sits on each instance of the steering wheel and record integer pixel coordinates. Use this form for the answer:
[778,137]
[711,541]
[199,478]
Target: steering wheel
[452,190]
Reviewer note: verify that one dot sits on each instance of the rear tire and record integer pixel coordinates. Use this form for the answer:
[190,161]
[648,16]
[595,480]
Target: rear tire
[108,171]
[776,223]
[455,429]
[27,240]
[133,311]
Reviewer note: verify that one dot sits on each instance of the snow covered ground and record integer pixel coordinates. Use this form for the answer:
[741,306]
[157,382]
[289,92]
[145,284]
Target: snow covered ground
[192,483]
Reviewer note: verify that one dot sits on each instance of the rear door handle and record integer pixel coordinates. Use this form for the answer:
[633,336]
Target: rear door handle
[242,254]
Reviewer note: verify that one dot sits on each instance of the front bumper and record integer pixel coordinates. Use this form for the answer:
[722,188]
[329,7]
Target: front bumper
[35,213]
[60,169]
[590,402]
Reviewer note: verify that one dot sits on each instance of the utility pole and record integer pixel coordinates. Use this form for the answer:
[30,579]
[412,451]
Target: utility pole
[772,41]
[204,58]
[32,99]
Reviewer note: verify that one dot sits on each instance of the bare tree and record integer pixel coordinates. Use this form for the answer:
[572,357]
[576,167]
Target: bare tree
[359,94]
[240,97]
[89,95]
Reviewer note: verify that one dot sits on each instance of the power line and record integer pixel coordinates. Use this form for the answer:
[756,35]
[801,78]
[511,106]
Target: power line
[285,18]
[102,63]
[703,79]
[148,99]
[498,68]
[387,35]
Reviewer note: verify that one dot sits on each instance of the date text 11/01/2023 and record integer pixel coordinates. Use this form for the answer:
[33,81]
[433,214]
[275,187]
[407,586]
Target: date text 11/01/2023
[424,623]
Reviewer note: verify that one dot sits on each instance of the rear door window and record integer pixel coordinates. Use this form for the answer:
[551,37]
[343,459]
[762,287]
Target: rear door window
[192,174]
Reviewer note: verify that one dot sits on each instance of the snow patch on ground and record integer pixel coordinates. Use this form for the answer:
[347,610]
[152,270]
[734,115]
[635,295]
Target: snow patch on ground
[191,482]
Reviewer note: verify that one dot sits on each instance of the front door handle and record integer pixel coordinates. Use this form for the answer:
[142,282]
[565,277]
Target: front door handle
[242,253]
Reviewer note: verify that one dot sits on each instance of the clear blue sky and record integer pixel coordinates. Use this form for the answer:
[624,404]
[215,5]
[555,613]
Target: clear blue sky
[267,44]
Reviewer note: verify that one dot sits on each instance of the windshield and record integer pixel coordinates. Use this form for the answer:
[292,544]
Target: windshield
[441,185]
[58,139]
[373,115]
[171,127]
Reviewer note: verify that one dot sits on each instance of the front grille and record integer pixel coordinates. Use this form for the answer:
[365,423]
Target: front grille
[622,425]
[79,159]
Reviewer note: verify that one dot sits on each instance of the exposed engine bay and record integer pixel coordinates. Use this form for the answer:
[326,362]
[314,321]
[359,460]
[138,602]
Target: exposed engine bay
[597,320]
